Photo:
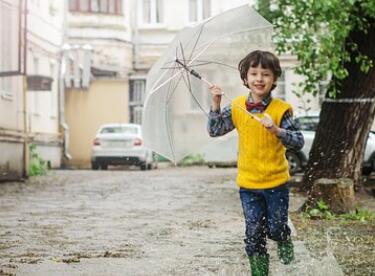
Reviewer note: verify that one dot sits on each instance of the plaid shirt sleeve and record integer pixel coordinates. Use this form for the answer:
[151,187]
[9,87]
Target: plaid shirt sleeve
[220,122]
[291,137]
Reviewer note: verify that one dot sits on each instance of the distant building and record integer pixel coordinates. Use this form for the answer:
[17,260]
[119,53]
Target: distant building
[99,59]
[29,83]
[45,21]
[127,38]
[12,120]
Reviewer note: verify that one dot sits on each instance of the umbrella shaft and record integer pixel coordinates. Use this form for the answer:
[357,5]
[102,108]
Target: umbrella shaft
[206,81]
[195,74]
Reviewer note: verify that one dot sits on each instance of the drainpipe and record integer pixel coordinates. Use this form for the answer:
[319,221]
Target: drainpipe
[62,121]
[135,35]
[62,71]
[24,96]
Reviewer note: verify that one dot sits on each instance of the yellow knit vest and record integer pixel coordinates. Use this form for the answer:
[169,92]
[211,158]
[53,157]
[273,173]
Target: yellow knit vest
[261,163]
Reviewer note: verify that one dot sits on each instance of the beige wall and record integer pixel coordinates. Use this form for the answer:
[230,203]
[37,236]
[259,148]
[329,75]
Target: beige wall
[105,102]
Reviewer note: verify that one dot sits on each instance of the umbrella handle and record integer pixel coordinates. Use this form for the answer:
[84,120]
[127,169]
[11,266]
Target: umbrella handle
[223,94]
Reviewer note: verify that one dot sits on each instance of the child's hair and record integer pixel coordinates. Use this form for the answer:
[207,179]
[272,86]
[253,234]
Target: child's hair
[267,60]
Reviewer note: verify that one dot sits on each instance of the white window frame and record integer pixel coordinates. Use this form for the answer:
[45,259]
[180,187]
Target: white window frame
[138,92]
[137,116]
[199,11]
[280,86]
[153,14]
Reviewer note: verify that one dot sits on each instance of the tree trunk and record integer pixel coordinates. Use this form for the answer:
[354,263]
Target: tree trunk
[340,140]
[338,194]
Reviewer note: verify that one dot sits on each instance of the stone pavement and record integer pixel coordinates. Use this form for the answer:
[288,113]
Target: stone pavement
[170,221]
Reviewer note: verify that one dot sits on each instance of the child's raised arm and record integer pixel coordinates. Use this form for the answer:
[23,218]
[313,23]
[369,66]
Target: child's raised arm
[216,97]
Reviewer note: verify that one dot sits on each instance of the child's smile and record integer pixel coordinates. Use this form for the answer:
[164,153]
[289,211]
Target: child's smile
[260,82]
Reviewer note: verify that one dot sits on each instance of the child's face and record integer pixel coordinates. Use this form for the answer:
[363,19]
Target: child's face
[260,81]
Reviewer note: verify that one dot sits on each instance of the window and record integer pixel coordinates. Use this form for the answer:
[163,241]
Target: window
[136,98]
[136,114]
[104,6]
[308,123]
[96,6]
[6,41]
[280,88]
[199,10]
[152,11]
[120,129]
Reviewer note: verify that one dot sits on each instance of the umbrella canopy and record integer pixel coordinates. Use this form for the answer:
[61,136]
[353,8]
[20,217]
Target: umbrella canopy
[176,106]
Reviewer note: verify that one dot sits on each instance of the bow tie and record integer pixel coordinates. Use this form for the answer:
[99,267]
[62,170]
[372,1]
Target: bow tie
[258,106]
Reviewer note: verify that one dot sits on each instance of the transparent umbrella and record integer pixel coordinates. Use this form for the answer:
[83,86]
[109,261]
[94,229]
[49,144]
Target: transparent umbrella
[177,100]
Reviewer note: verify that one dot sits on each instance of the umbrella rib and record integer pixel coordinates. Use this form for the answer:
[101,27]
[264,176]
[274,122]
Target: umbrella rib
[188,85]
[196,41]
[202,64]
[187,82]
[206,45]
[165,82]
[170,92]
[179,72]
[201,52]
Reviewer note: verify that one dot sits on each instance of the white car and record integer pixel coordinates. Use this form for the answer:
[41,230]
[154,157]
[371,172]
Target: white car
[121,144]
[308,123]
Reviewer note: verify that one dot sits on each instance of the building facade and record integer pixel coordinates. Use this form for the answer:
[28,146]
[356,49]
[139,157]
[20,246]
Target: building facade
[96,83]
[12,127]
[86,64]
[30,45]
[156,23]
[127,38]
[45,22]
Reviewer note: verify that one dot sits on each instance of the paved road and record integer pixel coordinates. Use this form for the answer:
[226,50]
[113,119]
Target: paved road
[171,221]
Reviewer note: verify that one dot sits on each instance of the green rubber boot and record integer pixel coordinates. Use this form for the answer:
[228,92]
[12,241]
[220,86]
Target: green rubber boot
[285,251]
[259,265]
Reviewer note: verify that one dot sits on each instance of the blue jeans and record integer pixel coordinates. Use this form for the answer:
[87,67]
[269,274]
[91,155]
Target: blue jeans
[266,214]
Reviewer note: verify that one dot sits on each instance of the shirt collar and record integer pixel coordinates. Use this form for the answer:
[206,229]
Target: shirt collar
[265,101]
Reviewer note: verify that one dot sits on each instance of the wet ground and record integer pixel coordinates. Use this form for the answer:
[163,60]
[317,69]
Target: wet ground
[170,221]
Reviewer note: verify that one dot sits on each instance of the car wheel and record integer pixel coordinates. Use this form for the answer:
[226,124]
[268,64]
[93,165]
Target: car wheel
[94,166]
[144,167]
[294,162]
[149,166]
[104,167]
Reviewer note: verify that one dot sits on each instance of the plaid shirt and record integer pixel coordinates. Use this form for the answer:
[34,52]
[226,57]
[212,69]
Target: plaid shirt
[220,123]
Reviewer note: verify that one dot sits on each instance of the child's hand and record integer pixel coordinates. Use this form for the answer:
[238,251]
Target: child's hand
[216,97]
[269,124]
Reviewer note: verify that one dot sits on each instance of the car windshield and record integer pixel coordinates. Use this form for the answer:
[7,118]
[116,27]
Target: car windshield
[120,129]
[308,123]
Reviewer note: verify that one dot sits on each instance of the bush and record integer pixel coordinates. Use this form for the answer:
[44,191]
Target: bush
[37,165]
[192,159]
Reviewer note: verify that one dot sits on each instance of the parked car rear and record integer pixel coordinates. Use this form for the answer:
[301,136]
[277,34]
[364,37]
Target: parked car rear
[120,144]
[308,124]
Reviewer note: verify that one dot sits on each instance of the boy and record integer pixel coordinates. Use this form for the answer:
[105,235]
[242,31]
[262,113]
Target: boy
[262,166]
